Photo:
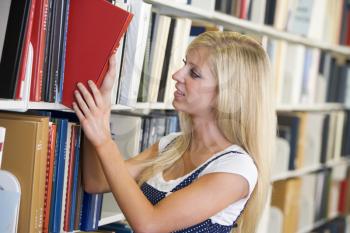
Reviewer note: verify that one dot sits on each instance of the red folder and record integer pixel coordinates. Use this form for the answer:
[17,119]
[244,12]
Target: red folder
[95,28]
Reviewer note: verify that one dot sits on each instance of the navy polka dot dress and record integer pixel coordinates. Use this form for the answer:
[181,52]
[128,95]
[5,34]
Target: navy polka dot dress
[154,196]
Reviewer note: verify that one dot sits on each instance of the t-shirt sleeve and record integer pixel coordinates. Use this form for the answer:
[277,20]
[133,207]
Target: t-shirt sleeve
[164,141]
[241,164]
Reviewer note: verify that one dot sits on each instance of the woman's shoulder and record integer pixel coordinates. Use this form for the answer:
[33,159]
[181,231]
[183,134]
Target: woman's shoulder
[235,160]
[167,139]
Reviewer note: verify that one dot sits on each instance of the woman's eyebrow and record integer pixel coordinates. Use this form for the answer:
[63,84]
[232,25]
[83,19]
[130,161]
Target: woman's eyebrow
[195,66]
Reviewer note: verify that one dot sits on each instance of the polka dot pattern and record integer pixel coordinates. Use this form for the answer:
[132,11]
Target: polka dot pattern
[154,196]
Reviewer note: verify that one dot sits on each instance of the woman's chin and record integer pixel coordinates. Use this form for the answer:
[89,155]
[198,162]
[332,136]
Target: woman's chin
[176,105]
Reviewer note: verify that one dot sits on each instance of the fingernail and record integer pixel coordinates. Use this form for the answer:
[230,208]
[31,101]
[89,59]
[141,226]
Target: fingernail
[90,82]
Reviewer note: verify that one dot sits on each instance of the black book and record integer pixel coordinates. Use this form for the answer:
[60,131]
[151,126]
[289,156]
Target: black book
[12,47]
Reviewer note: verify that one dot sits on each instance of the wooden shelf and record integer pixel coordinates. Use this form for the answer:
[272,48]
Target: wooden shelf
[306,170]
[48,106]
[153,106]
[233,23]
[107,218]
[22,106]
[325,107]
[13,105]
[56,106]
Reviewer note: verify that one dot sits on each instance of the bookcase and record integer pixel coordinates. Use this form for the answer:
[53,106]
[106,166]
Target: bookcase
[312,76]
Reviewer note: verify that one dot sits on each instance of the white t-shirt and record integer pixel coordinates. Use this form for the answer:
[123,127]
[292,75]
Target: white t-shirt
[236,163]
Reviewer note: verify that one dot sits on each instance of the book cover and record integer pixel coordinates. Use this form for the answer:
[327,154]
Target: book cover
[26,141]
[2,142]
[95,28]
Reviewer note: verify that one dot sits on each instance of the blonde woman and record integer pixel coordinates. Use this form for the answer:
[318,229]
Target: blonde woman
[213,176]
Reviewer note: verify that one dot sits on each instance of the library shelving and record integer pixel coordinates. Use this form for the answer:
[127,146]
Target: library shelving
[226,22]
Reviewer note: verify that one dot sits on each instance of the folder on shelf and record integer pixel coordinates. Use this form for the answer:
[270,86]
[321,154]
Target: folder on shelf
[10,192]
[95,28]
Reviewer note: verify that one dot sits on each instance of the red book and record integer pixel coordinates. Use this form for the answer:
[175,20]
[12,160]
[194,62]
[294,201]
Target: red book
[343,196]
[49,176]
[95,28]
[38,39]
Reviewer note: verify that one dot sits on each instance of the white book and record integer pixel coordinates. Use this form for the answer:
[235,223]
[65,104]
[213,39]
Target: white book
[339,125]
[275,220]
[119,58]
[208,5]
[293,74]
[126,133]
[311,67]
[347,89]
[278,67]
[25,87]
[306,200]
[160,38]
[332,129]
[2,142]
[135,46]
[283,7]
[333,199]
[300,17]
[65,179]
[318,17]
[110,206]
[281,160]
[258,11]
[313,139]
[178,52]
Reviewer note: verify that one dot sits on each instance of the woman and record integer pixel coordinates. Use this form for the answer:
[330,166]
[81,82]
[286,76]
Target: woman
[217,168]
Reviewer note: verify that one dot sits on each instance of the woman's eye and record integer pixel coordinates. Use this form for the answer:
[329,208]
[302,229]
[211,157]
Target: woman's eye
[194,74]
[184,61]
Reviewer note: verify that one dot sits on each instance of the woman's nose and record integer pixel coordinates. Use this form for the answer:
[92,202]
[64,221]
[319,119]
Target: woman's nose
[178,75]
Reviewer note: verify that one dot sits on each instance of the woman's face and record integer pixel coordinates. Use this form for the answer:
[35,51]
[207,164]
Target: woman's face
[196,86]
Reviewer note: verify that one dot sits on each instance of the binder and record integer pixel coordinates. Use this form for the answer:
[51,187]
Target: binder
[10,192]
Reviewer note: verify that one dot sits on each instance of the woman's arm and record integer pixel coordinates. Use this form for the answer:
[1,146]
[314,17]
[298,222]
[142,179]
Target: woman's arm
[93,175]
[183,208]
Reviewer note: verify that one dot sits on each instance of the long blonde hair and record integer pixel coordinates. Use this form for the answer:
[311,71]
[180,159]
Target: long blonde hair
[245,112]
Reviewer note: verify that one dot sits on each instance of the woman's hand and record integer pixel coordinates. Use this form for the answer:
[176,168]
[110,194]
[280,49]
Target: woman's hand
[93,110]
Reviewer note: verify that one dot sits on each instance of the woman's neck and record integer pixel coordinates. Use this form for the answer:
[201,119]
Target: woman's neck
[207,136]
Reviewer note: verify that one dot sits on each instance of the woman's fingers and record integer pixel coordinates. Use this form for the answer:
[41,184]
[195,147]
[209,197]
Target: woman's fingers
[77,110]
[110,77]
[89,100]
[96,93]
[82,104]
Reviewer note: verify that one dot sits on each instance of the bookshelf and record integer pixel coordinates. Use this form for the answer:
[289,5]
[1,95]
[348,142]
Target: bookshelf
[233,23]
[310,169]
[171,8]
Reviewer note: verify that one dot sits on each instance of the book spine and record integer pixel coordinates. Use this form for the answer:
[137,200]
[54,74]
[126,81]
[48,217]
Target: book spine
[49,173]
[68,196]
[55,216]
[23,64]
[2,142]
[63,54]
[41,55]
[75,180]
[35,40]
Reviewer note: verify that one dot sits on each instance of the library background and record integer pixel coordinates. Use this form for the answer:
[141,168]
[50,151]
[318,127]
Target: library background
[308,45]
